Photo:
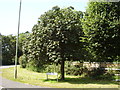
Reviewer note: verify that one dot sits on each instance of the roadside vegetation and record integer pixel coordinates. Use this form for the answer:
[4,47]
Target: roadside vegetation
[35,78]
[65,35]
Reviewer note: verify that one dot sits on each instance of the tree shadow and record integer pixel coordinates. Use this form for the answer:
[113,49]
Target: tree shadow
[83,80]
[51,80]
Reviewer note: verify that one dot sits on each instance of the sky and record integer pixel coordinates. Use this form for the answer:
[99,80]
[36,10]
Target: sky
[30,12]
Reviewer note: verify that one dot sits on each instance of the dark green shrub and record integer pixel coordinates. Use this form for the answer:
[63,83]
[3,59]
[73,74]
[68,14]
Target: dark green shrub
[33,67]
[74,70]
[100,74]
[95,71]
[71,69]
[52,68]
[107,76]
[23,61]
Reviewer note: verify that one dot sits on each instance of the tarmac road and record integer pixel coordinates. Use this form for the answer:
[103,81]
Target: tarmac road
[5,83]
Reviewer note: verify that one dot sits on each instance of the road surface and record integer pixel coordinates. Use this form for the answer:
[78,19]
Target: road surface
[5,83]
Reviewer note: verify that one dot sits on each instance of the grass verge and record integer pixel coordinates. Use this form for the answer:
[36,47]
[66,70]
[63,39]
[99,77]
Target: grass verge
[39,79]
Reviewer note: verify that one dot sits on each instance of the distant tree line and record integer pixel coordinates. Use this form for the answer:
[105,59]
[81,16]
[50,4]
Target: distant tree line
[8,45]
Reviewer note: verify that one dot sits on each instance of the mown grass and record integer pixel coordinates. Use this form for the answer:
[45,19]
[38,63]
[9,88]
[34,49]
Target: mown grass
[34,78]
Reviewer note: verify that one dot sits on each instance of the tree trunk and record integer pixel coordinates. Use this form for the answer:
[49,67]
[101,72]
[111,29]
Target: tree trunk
[62,70]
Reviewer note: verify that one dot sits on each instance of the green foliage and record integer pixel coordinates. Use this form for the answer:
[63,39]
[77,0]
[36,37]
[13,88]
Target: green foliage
[62,29]
[39,79]
[93,73]
[22,39]
[101,25]
[35,51]
[55,38]
[8,49]
[52,68]
[23,61]
[34,67]
[32,49]
[73,70]
[100,74]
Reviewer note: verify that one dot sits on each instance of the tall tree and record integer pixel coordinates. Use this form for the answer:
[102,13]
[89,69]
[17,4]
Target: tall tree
[8,49]
[56,37]
[101,26]
[22,40]
[34,49]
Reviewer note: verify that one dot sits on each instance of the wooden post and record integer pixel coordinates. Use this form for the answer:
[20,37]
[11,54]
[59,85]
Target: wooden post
[47,76]
[57,77]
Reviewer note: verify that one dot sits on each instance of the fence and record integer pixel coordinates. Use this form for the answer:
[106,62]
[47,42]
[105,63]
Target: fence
[102,64]
[114,66]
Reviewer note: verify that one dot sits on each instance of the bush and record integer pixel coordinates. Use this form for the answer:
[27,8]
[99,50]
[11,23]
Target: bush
[31,65]
[23,61]
[73,70]
[100,74]
[52,68]
[107,76]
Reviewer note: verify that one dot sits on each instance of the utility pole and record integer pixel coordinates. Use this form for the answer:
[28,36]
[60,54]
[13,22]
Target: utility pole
[17,42]
[0,49]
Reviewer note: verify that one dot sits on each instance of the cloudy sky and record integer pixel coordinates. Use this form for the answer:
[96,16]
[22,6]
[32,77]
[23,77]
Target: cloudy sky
[30,12]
